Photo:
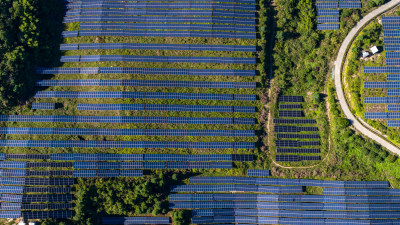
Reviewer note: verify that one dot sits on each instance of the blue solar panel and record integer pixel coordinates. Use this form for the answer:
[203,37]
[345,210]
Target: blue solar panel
[391,33]
[349,5]
[163,107]
[393,77]
[376,115]
[328,12]
[147,71]
[328,26]
[124,144]
[258,173]
[36,105]
[135,220]
[137,33]
[126,119]
[164,59]
[180,47]
[160,12]
[146,95]
[329,19]
[145,83]
[330,5]
[381,84]
[295,158]
[156,19]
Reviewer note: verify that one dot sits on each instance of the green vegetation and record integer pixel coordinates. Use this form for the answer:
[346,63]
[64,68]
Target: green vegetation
[25,42]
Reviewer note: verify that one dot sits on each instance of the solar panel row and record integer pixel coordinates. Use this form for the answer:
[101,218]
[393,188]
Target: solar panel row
[46,206]
[290,106]
[295,158]
[328,12]
[291,182]
[149,71]
[235,187]
[326,19]
[391,77]
[108,173]
[135,220]
[147,33]
[47,214]
[146,95]
[160,12]
[287,98]
[382,100]
[349,191]
[162,5]
[298,136]
[230,1]
[146,165]
[36,181]
[294,129]
[333,26]
[141,132]
[166,107]
[295,121]
[125,119]
[147,46]
[145,83]
[362,203]
[37,105]
[291,143]
[124,144]
[258,173]
[236,208]
[150,157]
[382,84]
[165,26]
[290,113]
[159,19]
[298,150]
[163,59]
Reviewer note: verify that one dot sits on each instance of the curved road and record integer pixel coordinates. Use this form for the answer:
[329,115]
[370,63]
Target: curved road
[338,79]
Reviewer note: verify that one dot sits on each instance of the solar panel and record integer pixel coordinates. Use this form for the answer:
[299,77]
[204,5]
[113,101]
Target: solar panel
[326,19]
[258,173]
[295,158]
[160,12]
[290,113]
[145,95]
[37,105]
[165,107]
[298,136]
[146,71]
[135,220]
[145,83]
[295,121]
[290,106]
[328,12]
[286,98]
[330,5]
[156,46]
[163,59]
[349,5]
[381,84]
[125,119]
[298,150]
[187,5]
[294,129]
[334,26]
[150,33]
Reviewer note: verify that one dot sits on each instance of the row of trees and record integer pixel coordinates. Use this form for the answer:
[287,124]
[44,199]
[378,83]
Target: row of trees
[29,35]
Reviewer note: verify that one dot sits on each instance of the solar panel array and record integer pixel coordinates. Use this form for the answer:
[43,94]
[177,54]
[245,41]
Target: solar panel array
[144,95]
[391,29]
[342,202]
[43,105]
[165,107]
[32,198]
[159,59]
[147,46]
[290,140]
[258,173]
[135,220]
[328,12]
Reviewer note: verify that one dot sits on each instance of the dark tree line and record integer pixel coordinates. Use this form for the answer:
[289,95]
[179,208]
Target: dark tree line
[29,36]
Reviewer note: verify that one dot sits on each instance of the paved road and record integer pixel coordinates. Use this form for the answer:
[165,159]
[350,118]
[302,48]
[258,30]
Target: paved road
[338,82]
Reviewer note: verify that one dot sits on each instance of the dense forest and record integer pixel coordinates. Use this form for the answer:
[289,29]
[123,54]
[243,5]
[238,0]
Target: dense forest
[29,33]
